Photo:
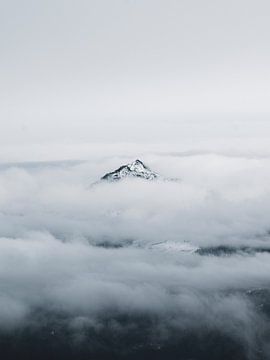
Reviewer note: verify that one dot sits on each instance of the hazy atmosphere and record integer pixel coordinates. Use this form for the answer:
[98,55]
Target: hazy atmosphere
[132,70]
[171,268]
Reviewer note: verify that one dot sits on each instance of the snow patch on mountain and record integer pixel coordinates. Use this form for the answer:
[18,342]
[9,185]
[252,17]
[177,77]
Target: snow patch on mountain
[136,169]
[172,246]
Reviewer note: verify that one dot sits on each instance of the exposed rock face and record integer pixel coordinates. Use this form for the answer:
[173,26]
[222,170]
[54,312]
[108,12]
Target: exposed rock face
[134,169]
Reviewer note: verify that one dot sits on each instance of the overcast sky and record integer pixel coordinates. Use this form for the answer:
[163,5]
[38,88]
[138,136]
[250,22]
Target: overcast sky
[103,70]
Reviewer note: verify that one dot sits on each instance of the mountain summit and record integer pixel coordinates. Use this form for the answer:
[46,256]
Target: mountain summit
[134,169]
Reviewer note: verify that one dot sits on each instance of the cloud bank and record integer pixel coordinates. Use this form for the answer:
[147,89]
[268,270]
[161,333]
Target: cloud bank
[84,258]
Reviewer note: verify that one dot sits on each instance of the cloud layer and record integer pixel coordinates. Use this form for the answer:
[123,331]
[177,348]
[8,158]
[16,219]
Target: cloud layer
[89,253]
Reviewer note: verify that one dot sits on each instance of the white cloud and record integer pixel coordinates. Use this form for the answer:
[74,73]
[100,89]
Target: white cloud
[52,221]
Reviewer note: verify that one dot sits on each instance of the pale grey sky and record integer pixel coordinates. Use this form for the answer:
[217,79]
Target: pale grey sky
[100,70]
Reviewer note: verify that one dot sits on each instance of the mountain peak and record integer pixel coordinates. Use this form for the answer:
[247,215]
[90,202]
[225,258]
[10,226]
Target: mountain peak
[134,169]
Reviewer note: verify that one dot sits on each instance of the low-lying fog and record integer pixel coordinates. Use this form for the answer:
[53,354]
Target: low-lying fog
[88,254]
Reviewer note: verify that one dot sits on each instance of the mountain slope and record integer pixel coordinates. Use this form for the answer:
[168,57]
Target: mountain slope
[135,169]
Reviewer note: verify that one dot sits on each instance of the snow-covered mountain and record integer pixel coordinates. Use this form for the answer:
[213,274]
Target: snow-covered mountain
[135,169]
